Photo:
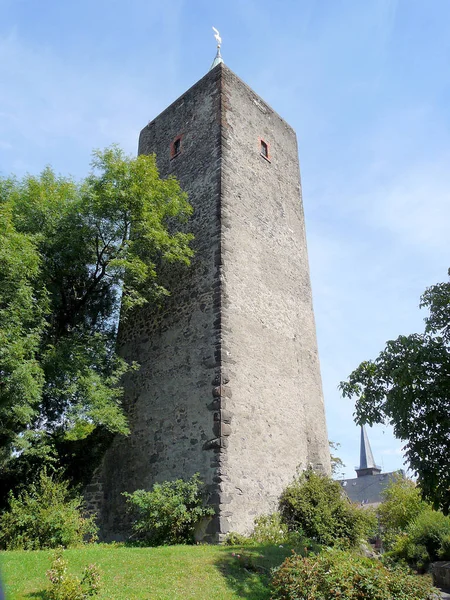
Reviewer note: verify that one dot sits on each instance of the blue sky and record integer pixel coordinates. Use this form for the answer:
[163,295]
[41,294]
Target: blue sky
[366,86]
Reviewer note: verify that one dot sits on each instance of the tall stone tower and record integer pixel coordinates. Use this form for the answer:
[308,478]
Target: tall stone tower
[229,384]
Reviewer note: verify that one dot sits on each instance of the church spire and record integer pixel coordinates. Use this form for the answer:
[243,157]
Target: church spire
[367,464]
[218,59]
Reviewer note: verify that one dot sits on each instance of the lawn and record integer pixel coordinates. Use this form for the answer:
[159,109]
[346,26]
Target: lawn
[164,573]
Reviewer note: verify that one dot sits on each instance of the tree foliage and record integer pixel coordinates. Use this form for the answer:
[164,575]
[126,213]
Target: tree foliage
[411,530]
[408,386]
[314,505]
[45,515]
[425,540]
[402,503]
[337,464]
[72,254]
[23,306]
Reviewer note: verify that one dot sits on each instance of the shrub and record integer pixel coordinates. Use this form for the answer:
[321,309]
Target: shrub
[340,574]
[169,512]
[269,530]
[444,550]
[65,586]
[315,505]
[46,515]
[238,539]
[402,503]
[426,539]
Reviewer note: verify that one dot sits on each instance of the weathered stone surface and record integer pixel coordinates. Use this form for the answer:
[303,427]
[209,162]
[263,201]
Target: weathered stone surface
[229,383]
[440,571]
[226,416]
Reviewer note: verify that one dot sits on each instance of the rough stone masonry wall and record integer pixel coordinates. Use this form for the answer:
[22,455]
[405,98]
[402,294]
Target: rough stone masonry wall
[269,349]
[229,383]
[178,347]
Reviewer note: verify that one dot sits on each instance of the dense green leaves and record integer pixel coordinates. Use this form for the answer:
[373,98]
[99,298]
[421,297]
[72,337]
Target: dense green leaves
[425,540]
[23,304]
[411,530]
[45,515]
[72,254]
[169,512]
[338,574]
[402,503]
[315,505]
[408,386]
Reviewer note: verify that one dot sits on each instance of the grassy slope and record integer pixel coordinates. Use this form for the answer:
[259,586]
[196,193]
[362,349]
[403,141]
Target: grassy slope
[165,573]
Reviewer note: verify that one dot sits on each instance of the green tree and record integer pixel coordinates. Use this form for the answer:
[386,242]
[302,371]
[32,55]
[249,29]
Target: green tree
[23,306]
[71,256]
[408,386]
[425,540]
[402,503]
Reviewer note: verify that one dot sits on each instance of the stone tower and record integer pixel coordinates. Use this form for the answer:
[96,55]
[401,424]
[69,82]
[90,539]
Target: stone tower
[229,384]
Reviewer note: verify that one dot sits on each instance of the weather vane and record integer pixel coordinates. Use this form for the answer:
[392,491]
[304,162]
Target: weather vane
[217,36]
[218,58]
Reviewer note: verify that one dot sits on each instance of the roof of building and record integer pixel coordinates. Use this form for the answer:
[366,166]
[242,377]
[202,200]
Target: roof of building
[367,489]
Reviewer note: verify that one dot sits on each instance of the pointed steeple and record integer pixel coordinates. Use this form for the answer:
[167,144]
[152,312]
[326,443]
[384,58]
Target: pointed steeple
[367,464]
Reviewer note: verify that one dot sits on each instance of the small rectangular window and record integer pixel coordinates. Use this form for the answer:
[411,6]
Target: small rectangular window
[264,149]
[175,147]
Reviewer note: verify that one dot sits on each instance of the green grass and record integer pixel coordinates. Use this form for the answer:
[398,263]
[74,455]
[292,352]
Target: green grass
[165,573]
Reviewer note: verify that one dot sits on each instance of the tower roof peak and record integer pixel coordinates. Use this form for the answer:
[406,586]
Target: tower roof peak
[367,464]
[218,59]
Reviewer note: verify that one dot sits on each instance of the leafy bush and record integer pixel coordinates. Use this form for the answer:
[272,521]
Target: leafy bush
[269,530]
[238,539]
[426,539]
[340,574]
[169,512]
[402,503]
[444,550]
[65,586]
[315,505]
[46,515]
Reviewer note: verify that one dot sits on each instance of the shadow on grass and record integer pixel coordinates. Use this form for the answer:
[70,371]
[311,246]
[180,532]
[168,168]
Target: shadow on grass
[248,570]
[42,595]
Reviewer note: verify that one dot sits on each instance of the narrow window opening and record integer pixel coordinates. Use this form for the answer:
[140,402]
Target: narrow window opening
[175,147]
[264,149]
